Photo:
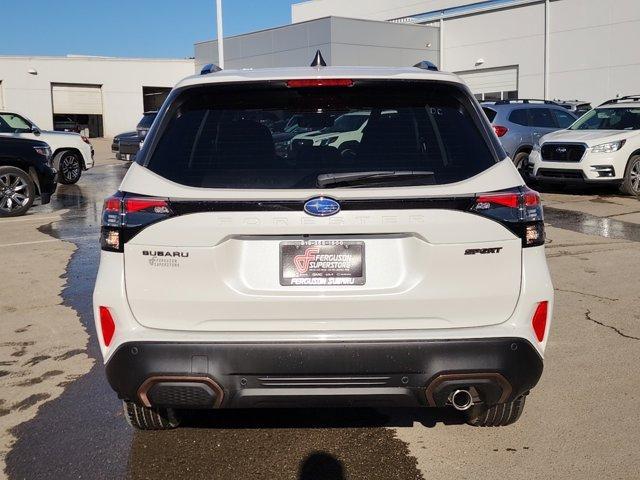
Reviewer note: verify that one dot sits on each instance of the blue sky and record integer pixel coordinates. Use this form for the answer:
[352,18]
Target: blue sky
[128,28]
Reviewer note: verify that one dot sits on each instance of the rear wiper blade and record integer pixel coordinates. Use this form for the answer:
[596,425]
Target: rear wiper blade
[351,178]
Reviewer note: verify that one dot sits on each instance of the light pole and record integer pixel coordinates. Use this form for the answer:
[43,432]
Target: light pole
[219,28]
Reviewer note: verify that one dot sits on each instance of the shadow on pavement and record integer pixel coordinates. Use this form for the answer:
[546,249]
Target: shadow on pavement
[293,443]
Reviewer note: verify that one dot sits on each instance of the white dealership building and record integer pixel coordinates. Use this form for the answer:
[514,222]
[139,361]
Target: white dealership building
[105,95]
[567,49]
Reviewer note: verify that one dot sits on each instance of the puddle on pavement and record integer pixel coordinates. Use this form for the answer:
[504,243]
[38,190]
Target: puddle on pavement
[591,224]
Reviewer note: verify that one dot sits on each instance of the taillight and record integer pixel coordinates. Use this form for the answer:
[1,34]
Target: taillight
[151,205]
[124,215]
[520,210]
[107,325]
[320,82]
[539,320]
[500,130]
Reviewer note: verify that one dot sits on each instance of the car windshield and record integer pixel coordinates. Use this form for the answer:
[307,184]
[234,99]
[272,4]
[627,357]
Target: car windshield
[210,136]
[13,123]
[147,120]
[617,118]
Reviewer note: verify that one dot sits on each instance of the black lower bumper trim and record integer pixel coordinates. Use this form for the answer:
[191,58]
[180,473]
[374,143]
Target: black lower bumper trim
[332,373]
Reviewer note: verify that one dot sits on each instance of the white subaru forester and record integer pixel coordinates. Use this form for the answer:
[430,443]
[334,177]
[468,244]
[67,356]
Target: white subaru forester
[409,271]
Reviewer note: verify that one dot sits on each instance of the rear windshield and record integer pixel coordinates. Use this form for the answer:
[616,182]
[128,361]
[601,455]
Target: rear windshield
[260,136]
[491,114]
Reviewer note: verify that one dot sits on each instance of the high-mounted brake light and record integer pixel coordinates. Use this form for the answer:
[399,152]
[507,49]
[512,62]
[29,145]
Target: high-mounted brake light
[500,130]
[124,215]
[320,82]
[519,209]
[107,325]
[539,320]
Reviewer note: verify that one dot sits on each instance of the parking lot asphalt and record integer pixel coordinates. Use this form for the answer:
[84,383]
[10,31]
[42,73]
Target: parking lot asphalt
[59,419]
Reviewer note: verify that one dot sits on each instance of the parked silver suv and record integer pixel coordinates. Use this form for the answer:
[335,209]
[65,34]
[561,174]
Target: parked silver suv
[519,124]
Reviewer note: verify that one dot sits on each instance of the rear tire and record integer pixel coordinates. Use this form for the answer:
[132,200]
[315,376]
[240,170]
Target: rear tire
[499,415]
[17,192]
[145,418]
[631,183]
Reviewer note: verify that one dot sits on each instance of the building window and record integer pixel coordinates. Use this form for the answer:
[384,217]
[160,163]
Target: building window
[495,96]
[153,97]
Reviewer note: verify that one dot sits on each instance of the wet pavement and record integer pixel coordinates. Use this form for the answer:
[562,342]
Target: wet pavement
[592,225]
[83,435]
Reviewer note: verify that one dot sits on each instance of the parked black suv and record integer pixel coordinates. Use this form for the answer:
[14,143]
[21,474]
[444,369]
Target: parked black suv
[25,173]
[128,143]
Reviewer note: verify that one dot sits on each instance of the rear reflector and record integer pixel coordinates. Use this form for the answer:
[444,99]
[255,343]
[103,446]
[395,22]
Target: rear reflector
[539,320]
[320,82]
[500,131]
[107,325]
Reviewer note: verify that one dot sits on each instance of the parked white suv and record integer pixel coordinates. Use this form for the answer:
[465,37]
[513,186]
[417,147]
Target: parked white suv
[410,272]
[346,131]
[601,147]
[72,153]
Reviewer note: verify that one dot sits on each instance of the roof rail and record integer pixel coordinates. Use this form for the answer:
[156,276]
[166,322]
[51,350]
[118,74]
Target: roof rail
[560,100]
[210,68]
[426,65]
[525,100]
[634,98]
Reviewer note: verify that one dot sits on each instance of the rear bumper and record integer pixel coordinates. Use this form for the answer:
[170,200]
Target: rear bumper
[389,373]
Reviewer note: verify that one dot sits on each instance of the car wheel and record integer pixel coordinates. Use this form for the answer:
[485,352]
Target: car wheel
[499,415]
[17,192]
[69,168]
[521,161]
[145,418]
[631,183]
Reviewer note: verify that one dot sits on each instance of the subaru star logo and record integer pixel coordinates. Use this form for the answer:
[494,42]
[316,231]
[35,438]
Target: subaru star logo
[321,207]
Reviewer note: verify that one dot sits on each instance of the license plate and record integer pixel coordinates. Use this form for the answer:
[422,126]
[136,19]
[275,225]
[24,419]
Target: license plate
[322,262]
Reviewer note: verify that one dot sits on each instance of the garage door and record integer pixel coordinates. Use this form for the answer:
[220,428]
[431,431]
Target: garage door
[78,99]
[492,83]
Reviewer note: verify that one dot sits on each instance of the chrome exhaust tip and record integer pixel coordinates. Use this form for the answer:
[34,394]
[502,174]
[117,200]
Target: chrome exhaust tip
[461,400]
